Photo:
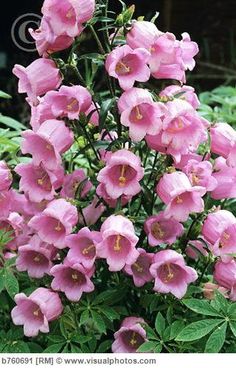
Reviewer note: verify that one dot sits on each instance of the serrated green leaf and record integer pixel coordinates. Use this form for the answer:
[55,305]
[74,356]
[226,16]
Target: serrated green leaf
[99,322]
[197,330]
[232,325]
[147,347]
[160,324]
[11,283]
[55,348]
[201,307]
[216,339]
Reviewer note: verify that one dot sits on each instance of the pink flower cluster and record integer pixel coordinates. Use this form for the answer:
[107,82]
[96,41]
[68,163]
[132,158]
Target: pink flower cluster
[42,216]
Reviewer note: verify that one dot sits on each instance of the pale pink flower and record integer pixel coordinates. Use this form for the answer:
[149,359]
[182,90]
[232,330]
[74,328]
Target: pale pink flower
[55,222]
[41,76]
[91,213]
[83,247]
[216,223]
[200,173]
[225,275]
[186,158]
[46,41]
[181,198]
[139,270]
[39,113]
[186,93]
[67,16]
[35,311]
[5,203]
[225,246]
[140,113]
[209,290]
[38,182]
[189,49]
[171,273]
[14,224]
[161,230]
[51,139]
[75,183]
[155,142]
[223,142]
[72,279]
[130,336]
[142,34]
[69,101]
[226,180]
[118,242]
[128,65]
[35,257]
[122,174]
[5,176]
[195,249]
[101,192]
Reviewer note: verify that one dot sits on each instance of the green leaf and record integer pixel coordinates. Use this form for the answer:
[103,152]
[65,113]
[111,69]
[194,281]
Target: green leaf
[55,348]
[216,339]
[150,332]
[176,327]
[105,108]
[75,349]
[104,346]
[202,307]
[197,330]
[4,95]
[147,347]
[84,317]
[11,123]
[56,338]
[110,313]
[11,283]
[17,347]
[232,325]
[232,311]
[160,324]
[98,321]
[110,297]
[2,279]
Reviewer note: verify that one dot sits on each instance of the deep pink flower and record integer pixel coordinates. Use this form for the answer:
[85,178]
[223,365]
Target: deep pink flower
[225,275]
[72,279]
[39,183]
[128,65]
[161,230]
[223,142]
[200,173]
[130,336]
[101,192]
[41,76]
[51,139]
[47,42]
[83,247]
[67,16]
[195,249]
[69,101]
[171,273]
[35,257]
[155,142]
[75,183]
[122,174]
[118,242]
[139,270]
[215,224]
[226,180]
[55,222]
[35,311]
[5,176]
[181,198]
[225,246]
[187,93]
[140,113]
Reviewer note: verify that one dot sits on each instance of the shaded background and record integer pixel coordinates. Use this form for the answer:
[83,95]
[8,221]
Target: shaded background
[211,23]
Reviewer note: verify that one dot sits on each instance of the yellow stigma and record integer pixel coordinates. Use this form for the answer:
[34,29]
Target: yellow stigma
[122,68]
[86,250]
[139,116]
[36,312]
[133,341]
[58,227]
[71,105]
[179,200]
[117,246]
[122,178]
[226,236]
[40,181]
[37,258]
[74,276]
[170,274]
[49,147]
[180,124]
[69,14]
[195,179]
[138,267]
[152,49]
[157,231]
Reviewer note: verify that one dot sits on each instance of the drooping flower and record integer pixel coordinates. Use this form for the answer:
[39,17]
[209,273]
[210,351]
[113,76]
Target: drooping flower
[140,113]
[72,279]
[223,142]
[90,214]
[142,34]
[216,223]
[171,273]
[51,139]
[75,183]
[128,65]
[55,222]
[186,93]
[139,270]
[17,230]
[118,242]
[225,275]
[101,192]
[35,311]
[83,247]
[195,249]
[130,336]
[181,198]
[122,174]
[38,182]
[5,176]
[35,257]
[5,203]
[67,16]
[226,180]
[69,101]
[161,230]
[41,76]
[200,173]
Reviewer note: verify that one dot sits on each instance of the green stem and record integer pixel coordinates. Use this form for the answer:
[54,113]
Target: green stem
[90,142]
[97,39]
